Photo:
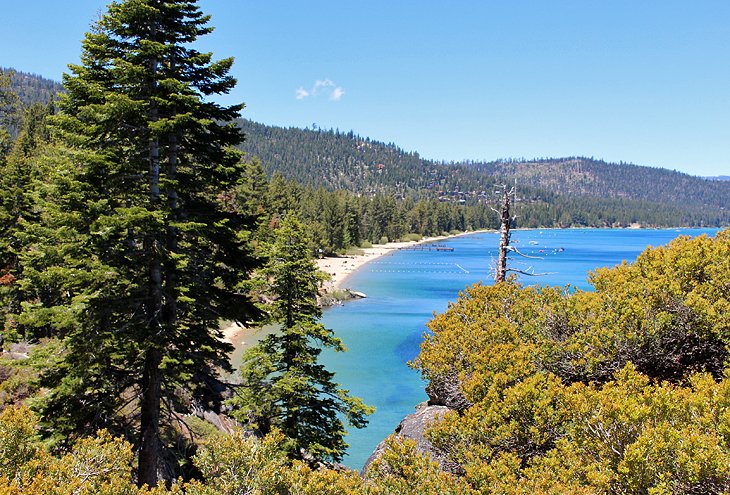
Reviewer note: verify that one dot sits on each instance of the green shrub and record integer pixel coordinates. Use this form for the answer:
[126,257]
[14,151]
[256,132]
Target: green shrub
[411,237]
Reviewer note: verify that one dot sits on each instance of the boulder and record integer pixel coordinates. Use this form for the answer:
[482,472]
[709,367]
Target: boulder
[446,391]
[334,297]
[414,427]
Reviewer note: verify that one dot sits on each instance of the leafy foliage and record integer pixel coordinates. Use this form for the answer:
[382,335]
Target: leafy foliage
[229,464]
[620,390]
[129,231]
[403,470]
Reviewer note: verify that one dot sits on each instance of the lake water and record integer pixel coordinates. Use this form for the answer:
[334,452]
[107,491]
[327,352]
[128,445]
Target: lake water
[384,331]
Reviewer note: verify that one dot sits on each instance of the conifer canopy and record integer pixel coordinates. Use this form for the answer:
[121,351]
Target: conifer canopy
[141,246]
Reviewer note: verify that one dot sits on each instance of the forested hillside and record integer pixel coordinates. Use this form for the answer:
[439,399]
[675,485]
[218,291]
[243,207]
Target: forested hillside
[560,192]
[551,192]
[577,176]
[32,88]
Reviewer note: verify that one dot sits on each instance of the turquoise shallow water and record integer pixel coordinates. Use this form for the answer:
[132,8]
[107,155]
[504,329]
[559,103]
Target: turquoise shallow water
[383,332]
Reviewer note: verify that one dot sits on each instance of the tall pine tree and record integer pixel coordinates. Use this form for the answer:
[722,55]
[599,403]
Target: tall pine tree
[140,186]
[284,385]
[18,175]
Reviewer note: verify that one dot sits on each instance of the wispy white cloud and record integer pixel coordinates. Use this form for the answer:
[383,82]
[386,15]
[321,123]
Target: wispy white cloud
[337,94]
[322,86]
[302,93]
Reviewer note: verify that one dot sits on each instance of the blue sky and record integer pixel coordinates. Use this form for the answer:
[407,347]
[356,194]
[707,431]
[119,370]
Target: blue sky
[644,81]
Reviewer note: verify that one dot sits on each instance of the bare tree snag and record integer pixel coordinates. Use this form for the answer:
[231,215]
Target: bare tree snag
[506,220]
[501,272]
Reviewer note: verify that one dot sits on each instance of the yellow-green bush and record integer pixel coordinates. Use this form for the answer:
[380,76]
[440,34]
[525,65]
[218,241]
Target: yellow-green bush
[558,391]
[619,390]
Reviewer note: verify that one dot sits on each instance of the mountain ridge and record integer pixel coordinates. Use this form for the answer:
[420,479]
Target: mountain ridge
[349,161]
[580,190]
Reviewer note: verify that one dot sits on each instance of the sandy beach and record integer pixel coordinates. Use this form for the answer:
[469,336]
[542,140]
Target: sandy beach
[339,268]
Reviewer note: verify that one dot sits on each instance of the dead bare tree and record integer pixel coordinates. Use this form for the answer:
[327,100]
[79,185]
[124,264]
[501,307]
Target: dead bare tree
[506,220]
[504,226]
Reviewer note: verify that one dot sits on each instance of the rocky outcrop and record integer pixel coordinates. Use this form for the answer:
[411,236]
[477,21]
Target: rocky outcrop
[414,427]
[445,394]
[17,350]
[334,297]
[445,390]
[221,421]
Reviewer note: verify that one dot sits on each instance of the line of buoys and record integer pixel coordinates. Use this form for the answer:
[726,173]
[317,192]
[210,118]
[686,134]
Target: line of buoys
[407,263]
[420,271]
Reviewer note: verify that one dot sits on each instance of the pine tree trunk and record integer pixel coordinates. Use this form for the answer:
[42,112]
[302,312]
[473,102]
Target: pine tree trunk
[501,272]
[171,238]
[150,449]
[151,385]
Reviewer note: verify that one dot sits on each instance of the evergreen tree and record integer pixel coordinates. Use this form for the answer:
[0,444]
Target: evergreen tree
[18,173]
[283,195]
[284,386]
[8,112]
[136,207]
[6,201]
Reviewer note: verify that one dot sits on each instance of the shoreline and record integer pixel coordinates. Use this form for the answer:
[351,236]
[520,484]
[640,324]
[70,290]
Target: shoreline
[233,332]
[340,268]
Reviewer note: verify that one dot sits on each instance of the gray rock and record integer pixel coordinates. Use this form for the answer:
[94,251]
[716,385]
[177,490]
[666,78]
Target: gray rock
[446,391]
[331,297]
[414,427]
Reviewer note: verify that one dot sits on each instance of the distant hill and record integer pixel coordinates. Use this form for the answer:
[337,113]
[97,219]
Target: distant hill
[555,191]
[577,176]
[719,177]
[348,161]
[339,160]
[32,88]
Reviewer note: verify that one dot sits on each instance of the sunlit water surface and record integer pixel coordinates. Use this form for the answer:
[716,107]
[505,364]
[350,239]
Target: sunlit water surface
[383,332]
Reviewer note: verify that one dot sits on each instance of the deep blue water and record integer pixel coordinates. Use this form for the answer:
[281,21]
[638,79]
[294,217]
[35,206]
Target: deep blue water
[384,331]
